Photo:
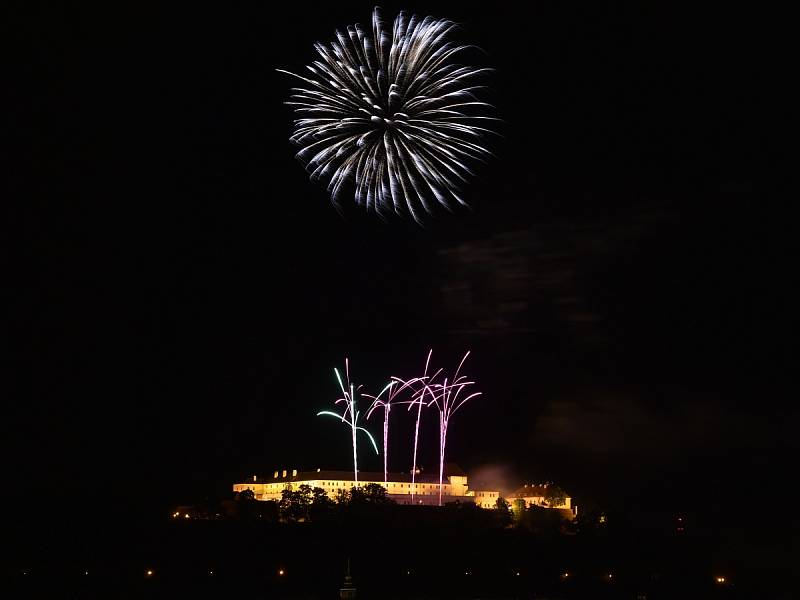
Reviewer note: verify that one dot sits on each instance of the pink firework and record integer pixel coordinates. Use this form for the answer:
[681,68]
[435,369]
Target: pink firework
[394,387]
[419,399]
[448,397]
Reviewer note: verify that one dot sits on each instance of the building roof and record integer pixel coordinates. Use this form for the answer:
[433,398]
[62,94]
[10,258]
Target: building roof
[454,469]
[529,490]
[423,477]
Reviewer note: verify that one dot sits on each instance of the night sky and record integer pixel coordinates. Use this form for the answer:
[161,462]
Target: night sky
[184,290]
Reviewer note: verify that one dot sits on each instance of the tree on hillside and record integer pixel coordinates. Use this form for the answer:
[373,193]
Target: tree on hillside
[367,501]
[268,511]
[464,516]
[285,504]
[294,504]
[591,521]
[321,505]
[554,496]
[245,495]
[543,522]
[320,496]
[375,493]
[503,511]
[518,509]
[245,505]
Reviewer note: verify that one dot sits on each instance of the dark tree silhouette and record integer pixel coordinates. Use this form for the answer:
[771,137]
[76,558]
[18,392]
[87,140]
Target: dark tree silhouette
[554,496]
[503,511]
[294,504]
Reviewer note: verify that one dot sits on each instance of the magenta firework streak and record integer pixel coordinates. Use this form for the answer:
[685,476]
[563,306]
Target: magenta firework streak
[394,387]
[419,399]
[448,397]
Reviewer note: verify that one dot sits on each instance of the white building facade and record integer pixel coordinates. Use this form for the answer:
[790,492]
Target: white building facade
[423,490]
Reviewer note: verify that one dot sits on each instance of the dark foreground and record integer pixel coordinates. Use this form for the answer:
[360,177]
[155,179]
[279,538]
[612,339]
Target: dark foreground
[396,555]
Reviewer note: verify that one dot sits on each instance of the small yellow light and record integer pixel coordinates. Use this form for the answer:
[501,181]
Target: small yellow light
[720,580]
[610,576]
[186,516]
[149,572]
[565,575]
[280,572]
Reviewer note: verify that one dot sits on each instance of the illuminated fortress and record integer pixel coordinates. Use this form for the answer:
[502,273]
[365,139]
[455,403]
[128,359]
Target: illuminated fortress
[424,489]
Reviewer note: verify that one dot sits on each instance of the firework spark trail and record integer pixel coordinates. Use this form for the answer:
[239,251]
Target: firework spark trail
[350,414]
[394,387]
[447,400]
[419,399]
[393,113]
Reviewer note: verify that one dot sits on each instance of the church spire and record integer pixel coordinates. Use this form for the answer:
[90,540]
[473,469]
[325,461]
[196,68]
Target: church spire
[348,590]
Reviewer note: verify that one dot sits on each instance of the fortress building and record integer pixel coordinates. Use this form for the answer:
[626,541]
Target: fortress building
[536,495]
[455,486]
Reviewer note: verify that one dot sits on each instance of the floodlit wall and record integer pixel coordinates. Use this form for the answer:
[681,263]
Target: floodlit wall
[540,501]
[454,488]
[485,499]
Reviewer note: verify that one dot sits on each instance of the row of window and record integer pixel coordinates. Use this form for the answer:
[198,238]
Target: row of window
[341,485]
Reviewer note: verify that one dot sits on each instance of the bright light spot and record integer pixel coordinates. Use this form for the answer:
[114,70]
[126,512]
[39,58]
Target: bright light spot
[720,580]
[281,572]
[211,572]
[564,575]
[86,572]
[149,572]
[517,573]
[610,576]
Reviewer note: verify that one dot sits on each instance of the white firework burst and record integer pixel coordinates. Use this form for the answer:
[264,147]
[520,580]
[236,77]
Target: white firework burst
[391,116]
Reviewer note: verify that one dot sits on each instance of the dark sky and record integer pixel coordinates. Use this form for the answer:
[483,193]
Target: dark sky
[185,291]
